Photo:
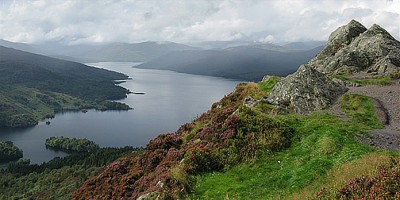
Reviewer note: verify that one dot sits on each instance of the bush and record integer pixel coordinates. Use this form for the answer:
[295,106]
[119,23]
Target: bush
[385,185]
[257,133]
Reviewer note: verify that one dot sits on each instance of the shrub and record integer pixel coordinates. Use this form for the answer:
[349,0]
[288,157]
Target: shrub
[253,133]
[165,141]
[385,185]
[198,160]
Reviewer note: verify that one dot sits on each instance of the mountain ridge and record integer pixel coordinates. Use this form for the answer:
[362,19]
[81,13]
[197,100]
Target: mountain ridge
[242,63]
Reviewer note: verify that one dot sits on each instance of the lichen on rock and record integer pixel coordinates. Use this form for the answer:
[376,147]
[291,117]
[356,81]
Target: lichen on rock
[305,91]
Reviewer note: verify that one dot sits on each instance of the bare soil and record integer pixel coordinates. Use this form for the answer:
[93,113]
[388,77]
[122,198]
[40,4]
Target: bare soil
[387,103]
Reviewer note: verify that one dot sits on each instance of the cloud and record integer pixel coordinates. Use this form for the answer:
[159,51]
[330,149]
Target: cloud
[75,22]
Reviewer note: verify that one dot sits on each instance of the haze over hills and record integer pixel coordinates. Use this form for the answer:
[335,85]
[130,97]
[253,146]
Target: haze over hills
[234,59]
[113,52]
[242,62]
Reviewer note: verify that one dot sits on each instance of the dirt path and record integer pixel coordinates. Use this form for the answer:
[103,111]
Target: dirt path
[388,96]
[387,102]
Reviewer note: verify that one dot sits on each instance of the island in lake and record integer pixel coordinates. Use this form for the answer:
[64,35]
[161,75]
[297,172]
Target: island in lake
[71,145]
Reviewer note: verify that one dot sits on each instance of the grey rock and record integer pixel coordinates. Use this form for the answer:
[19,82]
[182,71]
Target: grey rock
[353,48]
[250,102]
[266,78]
[346,83]
[149,196]
[305,91]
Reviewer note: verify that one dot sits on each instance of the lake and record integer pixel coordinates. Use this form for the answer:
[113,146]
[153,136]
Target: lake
[170,100]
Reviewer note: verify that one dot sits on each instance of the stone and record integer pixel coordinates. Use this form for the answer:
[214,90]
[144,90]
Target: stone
[266,78]
[305,91]
[350,49]
[149,196]
[353,48]
[250,102]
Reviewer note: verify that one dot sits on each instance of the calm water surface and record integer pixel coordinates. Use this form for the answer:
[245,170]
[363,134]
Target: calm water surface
[170,100]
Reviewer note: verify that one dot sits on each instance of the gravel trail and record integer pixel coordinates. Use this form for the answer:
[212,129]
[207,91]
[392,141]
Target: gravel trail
[387,102]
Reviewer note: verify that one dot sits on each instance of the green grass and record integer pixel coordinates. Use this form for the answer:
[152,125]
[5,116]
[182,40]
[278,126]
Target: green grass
[361,109]
[321,143]
[268,85]
[379,80]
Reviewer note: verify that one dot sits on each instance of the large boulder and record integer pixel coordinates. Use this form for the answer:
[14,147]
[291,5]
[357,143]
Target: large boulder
[305,91]
[353,48]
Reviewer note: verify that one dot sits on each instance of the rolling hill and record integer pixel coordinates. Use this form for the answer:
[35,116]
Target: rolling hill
[35,86]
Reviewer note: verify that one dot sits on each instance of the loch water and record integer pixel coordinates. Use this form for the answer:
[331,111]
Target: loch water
[170,99]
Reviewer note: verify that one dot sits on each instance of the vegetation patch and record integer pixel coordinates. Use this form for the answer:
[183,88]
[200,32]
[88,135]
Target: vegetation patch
[21,106]
[379,80]
[270,83]
[361,109]
[8,151]
[321,143]
[58,178]
[383,182]
[71,144]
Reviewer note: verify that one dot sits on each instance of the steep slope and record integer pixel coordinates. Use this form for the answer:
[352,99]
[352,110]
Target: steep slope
[35,86]
[351,50]
[243,148]
[242,63]
[226,135]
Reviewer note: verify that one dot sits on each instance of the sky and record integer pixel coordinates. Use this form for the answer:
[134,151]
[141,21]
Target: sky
[187,21]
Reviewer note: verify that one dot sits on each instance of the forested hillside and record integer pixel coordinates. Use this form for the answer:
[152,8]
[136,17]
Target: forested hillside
[35,86]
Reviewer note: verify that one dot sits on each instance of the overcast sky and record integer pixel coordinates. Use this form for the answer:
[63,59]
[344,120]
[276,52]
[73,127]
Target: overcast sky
[88,21]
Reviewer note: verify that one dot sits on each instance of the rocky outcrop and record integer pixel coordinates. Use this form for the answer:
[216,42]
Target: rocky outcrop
[305,91]
[351,48]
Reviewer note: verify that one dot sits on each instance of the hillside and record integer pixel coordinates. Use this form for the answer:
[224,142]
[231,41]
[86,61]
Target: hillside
[298,137]
[35,86]
[242,62]
[245,146]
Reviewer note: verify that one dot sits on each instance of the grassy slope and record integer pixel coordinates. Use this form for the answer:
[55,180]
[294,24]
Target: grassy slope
[378,80]
[324,154]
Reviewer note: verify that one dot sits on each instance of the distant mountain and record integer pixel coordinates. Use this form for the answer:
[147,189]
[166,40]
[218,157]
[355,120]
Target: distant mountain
[33,86]
[304,45]
[19,46]
[242,62]
[117,52]
[113,52]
